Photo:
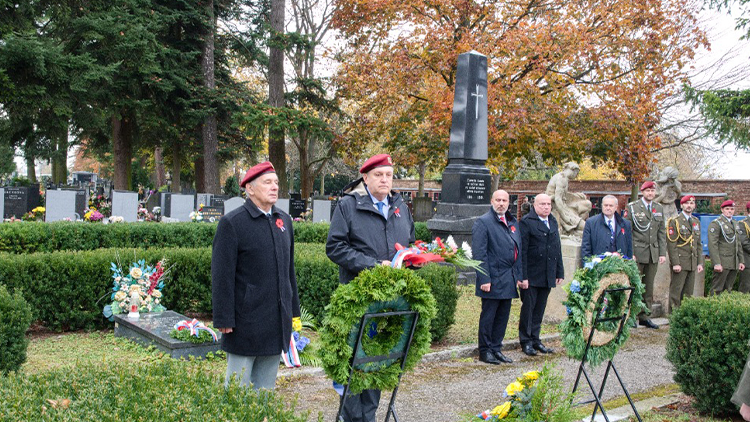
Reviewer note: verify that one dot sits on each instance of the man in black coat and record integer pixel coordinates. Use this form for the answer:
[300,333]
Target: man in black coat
[253,283]
[366,225]
[496,241]
[542,265]
[607,232]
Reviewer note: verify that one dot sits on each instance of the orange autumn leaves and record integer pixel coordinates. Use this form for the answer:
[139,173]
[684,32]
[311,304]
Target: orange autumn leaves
[567,79]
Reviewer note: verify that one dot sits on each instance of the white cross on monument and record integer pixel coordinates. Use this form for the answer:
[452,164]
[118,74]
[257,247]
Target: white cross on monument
[476,107]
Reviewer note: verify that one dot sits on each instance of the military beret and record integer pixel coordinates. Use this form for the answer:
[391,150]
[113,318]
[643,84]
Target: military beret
[686,198]
[727,203]
[257,170]
[747,205]
[648,185]
[379,160]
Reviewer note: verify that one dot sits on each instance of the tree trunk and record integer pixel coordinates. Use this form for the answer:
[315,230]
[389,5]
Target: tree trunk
[122,148]
[176,167]
[422,170]
[30,168]
[200,173]
[322,183]
[60,157]
[276,144]
[161,179]
[209,180]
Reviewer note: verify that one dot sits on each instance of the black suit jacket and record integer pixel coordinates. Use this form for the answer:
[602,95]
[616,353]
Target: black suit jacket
[541,251]
[496,245]
[596,236]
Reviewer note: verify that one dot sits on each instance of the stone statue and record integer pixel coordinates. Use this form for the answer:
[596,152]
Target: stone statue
[571,209]
[668,190]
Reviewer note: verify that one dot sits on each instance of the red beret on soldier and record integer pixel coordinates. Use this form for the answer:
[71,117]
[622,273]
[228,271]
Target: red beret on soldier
[380,160]
[648,185]
[747,205]
[256,171]
[686,198]
[727,203]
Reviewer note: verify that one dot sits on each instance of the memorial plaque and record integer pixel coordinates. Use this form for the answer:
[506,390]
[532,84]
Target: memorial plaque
[283,204]
[321,211]
[16,202]
[181,206]
[203,198]
[296,207]
[212,214]
[232,204]
[61,204]
[125,205]
[152,329]
[218,200]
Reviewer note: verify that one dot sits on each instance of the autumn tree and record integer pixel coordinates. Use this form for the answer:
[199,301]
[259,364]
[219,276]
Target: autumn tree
[566,79]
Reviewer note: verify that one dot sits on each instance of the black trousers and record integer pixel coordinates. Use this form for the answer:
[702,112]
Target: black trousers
[532,312]
[492,324]
[361,407]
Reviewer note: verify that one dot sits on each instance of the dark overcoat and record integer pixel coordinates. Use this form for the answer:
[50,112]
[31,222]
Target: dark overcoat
[360,237]
[541,252]
[499,248]
[253,283]
[596,236]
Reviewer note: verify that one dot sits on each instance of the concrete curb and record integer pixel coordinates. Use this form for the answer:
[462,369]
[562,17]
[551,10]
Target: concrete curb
[643,406]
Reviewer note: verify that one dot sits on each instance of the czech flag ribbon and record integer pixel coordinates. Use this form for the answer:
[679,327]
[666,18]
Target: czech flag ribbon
[195,328]
[291,357]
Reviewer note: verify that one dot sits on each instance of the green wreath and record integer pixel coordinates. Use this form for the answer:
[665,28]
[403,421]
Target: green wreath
[599,273]
[380,289]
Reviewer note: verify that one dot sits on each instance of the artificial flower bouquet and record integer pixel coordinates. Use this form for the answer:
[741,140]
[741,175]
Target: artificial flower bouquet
[437,251]
[145,280]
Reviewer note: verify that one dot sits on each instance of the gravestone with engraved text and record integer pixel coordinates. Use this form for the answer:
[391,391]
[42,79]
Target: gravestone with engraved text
[20,200]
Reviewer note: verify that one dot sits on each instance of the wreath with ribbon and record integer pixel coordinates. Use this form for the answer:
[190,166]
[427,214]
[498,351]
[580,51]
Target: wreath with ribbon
[381,289]
[587,299]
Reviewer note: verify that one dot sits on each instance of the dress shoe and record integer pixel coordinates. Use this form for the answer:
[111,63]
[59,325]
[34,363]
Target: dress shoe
[529,350]
[648,323]
[489,357]
[542,348]
[502,358]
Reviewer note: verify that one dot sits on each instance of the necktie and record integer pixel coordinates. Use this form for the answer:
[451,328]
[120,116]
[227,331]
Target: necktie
[649,208]
[502,219]
[611,228]
[612,247]
[546,223]
[380,205]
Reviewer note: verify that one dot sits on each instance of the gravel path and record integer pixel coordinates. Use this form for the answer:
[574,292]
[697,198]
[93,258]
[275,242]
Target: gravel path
[452,389]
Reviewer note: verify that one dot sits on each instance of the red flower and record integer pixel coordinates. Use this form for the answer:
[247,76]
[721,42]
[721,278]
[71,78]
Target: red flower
[653,210]
[439,243]
[513,229]
[622,231]
[280,224]
[397,211]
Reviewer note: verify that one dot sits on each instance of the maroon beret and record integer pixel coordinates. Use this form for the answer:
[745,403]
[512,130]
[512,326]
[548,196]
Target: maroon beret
[686,198]
[648,185]
[747,205]
[379,160]
[257,170]
[727,203]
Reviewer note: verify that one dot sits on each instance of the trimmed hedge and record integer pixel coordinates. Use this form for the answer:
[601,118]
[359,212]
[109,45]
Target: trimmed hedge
[442,280]
[166,390]
[708,346]
[69,289]
[33,237]
[15,319]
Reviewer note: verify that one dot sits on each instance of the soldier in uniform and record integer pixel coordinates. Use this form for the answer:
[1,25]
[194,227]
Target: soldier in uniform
[724,249]
[744,232]
[649,242]
[685,252]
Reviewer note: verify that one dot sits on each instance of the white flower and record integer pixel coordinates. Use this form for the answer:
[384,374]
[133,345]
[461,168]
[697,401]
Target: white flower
[120,296]
[156,210]
[452,243]
[212,219]
[192,215]
[136,273]
[467,249]
[596,260]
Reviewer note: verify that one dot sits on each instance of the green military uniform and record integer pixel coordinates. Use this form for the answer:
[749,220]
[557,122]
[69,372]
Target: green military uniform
[742,393]
[685,249]
[725,250]
[744,232]
[649,243]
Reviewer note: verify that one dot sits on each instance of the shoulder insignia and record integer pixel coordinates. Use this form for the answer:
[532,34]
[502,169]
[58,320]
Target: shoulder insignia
[712,229]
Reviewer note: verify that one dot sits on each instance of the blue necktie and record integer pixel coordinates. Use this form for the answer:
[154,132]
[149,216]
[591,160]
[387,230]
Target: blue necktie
[380,205]
[546,223]
[611,236]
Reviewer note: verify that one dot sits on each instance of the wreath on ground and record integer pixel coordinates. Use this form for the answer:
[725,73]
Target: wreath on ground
[381,289]
[600,273]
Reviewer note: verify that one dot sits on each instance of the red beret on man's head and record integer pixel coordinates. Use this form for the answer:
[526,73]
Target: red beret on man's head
[648,185]
[747,205]
[727,203]
[379,160]
[257,170]
[686,198]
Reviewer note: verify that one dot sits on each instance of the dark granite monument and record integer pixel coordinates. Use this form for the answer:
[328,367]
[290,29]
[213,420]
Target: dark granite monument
[152,329]
[297,207]
[466,181]
[20,200]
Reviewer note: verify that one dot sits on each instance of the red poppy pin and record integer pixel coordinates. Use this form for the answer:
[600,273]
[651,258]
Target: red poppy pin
[280,224]
[671,230]
[622,231]
[513,229]
[695,226]
[653,210]
[397,212]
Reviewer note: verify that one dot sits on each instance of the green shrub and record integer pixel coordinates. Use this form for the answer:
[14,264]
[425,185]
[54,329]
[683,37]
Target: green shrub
[167,390]
[442,282]
[15,318]
[708,346]
[708,275]
[310,232]
[422,232]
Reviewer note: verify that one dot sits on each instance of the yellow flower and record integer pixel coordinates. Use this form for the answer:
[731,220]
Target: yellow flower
[513,388]
[531,375]
[120,296]
[501,411]
[136,273]
[296,324]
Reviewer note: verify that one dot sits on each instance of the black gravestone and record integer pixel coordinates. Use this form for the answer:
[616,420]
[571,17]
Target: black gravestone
[218,200]
[296,207]
[152,329]
[166,203]
[212,212]
[20,200]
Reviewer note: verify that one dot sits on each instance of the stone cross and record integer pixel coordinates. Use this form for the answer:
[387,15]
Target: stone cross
[476,107]
[469,136]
